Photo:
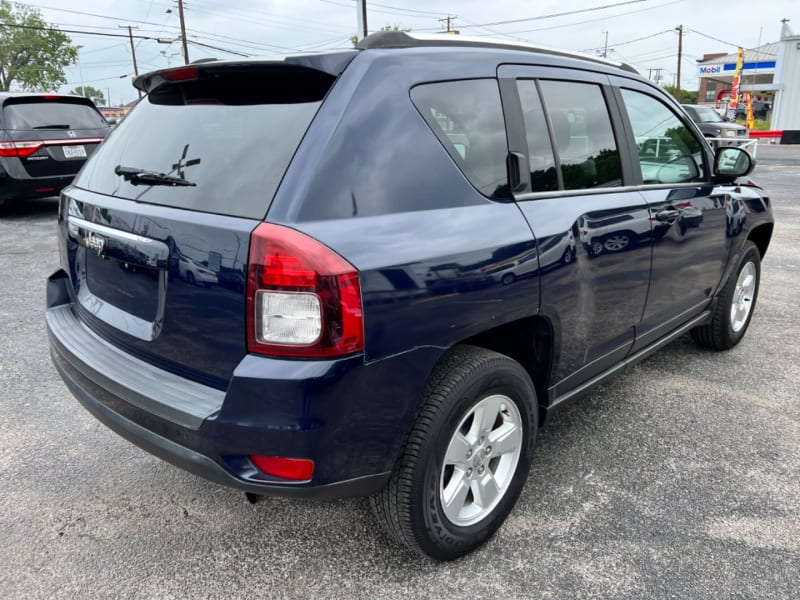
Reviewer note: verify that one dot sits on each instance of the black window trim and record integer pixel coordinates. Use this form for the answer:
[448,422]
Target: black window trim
[510,73]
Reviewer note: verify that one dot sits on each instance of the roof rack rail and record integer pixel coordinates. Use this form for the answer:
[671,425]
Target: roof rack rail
[402,39]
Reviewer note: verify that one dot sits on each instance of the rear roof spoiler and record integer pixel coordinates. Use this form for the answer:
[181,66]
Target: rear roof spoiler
[330,63]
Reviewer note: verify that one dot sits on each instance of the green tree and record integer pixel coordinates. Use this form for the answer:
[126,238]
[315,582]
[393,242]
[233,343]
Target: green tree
[687,97]
[33,55]
[355,39]
[91,92]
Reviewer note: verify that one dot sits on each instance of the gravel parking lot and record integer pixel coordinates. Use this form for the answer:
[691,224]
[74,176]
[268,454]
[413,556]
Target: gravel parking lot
[681,478]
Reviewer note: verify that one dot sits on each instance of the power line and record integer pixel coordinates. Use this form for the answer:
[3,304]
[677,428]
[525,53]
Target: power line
[574,23]
[117,35]
[272,20]
[561,14]
[639,39]
[393,12]
[711,37]
[234,52]
[160,25]
[410,10]
[56,29]
[88,14]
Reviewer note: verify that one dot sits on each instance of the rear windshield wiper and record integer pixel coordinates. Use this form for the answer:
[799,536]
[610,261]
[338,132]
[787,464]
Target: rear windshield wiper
[53,126]
[137,176]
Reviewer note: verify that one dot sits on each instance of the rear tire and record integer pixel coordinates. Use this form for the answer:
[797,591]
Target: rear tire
[735,304]
[465,458]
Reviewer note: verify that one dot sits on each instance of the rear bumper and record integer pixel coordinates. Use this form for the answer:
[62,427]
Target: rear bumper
[194,461]
[12,188]
[296,409]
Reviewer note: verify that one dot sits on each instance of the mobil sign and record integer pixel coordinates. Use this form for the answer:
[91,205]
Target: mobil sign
[711,69]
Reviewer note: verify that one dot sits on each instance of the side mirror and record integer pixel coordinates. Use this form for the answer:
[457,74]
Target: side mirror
[732,162]
[111,120]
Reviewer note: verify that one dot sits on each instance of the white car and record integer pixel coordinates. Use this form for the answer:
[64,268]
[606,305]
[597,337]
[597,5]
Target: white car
[196,274]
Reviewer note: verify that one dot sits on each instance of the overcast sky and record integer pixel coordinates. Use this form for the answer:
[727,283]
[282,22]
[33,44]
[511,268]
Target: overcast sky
[268,27]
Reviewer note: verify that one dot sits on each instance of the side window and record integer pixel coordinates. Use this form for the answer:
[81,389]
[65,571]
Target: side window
[467,117]
[584,137]
[540,151]
[668,151]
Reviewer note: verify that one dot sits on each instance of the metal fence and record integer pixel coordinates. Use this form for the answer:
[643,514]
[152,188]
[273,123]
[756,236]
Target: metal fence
[749,144]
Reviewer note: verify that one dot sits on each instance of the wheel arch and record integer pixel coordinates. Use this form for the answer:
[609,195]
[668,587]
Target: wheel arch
[761,236]
[531,342]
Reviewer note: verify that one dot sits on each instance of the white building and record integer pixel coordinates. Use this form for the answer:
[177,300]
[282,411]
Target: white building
[771,73]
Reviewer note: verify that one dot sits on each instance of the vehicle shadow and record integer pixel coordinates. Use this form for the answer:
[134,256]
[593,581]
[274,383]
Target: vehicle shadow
[25,209]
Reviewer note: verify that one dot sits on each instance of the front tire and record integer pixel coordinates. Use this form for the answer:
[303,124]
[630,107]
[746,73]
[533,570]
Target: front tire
[735,304]
[466,456]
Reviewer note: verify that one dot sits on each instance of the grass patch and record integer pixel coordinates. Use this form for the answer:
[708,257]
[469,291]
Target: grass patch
[759,124]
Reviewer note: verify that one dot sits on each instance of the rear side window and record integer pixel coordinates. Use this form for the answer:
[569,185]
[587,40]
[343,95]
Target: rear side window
[584,137]
[467,117]
[668,151]
[231,135]
[24,114]
[540,151]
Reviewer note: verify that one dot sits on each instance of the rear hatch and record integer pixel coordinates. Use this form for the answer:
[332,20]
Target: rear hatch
[159,221]
[51,135]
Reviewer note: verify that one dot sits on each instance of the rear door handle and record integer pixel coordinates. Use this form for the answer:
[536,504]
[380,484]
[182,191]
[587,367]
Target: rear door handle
[668,215]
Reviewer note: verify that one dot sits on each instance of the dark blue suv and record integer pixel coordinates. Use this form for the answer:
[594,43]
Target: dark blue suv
[376,272]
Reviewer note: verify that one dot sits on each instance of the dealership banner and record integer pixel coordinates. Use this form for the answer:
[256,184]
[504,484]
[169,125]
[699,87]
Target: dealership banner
[737,76]
[748,102]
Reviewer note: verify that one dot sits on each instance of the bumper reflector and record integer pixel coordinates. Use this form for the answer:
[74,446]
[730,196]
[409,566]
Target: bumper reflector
[296,469]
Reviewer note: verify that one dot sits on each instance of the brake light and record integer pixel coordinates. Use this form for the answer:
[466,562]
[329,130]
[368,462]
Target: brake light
[303,299]
[19,149]
[179,74]
[296,469]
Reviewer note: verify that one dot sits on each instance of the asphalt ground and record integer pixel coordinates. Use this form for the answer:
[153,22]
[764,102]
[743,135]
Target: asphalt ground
[679,479]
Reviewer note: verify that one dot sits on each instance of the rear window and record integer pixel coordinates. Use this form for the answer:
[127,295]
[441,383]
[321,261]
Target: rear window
[230,135]
[50,114]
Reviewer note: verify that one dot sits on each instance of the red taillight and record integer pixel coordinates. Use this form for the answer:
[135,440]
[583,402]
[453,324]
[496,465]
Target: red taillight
[179,74]
[19,149]
[296,469]
[303,299]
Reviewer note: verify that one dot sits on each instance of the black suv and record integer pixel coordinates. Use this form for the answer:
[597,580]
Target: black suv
[44,141]
[376,272]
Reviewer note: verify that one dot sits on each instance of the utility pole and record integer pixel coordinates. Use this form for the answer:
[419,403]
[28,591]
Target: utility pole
[605,46]
[80,70]
[679,29]
[449,19]
[363,3]
[133,52]
[183,33]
